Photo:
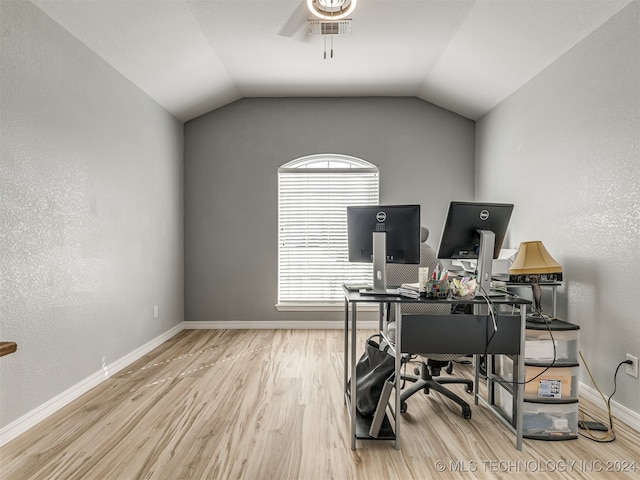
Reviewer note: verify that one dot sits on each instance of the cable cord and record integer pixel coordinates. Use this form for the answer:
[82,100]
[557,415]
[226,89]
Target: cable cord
[490,307]
[546,367]
[610,435]
[492,312]
[547,323]
[555,352]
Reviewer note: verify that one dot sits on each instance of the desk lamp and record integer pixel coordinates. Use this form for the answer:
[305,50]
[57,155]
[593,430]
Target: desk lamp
[532,265]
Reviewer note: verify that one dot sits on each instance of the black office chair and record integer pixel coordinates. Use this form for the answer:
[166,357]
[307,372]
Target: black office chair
[427,376]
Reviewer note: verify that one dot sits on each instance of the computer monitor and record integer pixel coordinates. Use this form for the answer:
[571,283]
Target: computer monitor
[475,230]
[383,233]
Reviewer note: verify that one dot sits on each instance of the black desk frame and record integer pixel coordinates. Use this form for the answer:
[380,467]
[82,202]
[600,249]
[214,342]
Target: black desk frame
[353,298]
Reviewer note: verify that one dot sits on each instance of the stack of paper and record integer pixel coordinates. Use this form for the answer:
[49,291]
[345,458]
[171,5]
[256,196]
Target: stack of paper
[408,292]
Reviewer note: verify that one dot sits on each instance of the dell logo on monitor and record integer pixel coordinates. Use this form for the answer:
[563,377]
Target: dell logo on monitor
[381,216]
[484,215]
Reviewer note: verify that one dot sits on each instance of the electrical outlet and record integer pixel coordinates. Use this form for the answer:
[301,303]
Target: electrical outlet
[155,311]
[633,368]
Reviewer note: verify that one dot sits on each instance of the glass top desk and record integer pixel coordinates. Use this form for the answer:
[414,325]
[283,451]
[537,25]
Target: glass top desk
[467,333]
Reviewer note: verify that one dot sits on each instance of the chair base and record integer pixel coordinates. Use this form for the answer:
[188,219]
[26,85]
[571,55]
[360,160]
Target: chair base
[427,382]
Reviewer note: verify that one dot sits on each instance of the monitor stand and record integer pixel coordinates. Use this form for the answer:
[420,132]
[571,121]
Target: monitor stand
[380,267]
[379,262]
[485,262]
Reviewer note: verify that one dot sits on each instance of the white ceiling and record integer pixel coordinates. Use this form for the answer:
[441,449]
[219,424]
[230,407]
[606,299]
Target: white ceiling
[193,56]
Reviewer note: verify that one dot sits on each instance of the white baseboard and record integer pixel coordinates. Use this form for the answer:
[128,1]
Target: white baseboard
[280,325]
[38,414]
[620,412]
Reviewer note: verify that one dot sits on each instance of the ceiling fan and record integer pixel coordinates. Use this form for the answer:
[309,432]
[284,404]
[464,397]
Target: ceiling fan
[328,17]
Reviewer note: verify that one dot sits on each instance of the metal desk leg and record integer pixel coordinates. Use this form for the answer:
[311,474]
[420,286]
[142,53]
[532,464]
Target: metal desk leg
[478,310]
[345,362]
[396,408]
[476,377]
[520,386]
[488,370]
[353,375]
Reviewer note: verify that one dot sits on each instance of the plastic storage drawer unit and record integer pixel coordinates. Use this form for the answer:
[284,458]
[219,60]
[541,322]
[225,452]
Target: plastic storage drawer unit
[503,366]
[542,382]
[503,400]
[543,346]
[551,384]
[550,421]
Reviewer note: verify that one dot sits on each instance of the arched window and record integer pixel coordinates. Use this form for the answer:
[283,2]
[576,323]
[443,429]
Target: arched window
[313,195]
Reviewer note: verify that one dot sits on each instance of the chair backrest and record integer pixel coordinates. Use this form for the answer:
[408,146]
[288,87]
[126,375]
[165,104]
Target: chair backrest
[398,274]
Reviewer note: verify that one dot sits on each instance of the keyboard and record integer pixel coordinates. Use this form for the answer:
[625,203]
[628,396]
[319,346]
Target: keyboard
[370,291]
[356,287]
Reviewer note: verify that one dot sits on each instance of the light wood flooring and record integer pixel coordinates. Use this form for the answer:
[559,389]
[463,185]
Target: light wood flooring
[268,404]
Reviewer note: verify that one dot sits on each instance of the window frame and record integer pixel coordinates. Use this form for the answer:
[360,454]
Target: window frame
[337,165]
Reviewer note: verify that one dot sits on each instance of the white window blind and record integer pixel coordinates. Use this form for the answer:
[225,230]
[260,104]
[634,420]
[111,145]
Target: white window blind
[313,195]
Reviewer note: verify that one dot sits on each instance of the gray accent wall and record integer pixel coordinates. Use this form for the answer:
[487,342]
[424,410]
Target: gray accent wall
[565,149]
[91,213]
[425,155]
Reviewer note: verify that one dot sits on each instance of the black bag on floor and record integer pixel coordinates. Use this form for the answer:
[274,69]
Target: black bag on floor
[374,367]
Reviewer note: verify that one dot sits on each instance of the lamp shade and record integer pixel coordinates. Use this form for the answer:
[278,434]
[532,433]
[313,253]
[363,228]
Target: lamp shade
[533,258]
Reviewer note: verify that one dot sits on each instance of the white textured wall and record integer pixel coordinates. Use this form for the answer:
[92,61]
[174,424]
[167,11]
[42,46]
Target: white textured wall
[90,212]
[566,150]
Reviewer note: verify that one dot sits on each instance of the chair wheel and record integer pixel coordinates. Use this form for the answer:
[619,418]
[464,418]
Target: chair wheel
[403,406]
[416,371]
[466,413]
[449,368]
[469,390]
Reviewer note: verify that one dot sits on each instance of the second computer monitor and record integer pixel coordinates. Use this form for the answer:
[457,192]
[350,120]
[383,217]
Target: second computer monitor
[464,222]
[474,230]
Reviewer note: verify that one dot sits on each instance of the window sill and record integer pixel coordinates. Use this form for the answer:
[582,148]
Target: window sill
[321,307]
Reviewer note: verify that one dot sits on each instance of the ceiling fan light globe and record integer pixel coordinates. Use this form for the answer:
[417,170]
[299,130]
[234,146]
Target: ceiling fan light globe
[331,9]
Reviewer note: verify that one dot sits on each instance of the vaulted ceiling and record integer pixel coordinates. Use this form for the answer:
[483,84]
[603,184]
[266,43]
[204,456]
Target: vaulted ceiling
[193,56]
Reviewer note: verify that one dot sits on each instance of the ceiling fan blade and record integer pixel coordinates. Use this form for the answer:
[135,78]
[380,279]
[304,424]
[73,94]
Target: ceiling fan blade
[296,21]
